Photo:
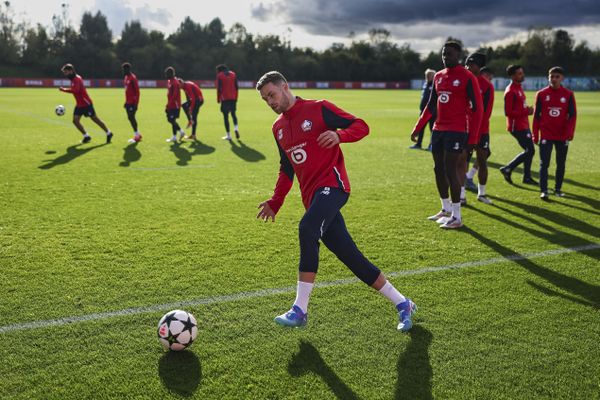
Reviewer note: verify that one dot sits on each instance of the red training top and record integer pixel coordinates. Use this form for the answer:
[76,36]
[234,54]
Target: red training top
[456,100]
[296,132]
[555,114]
[487,96]
[82,98]
[515,108]
[132,89]
[192,93]
[173,95]
[227,86]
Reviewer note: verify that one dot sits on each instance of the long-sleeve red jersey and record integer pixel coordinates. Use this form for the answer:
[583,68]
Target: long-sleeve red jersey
[296,132]
[456,101]
[173,94]
[192,93]
[555,114]
[515,108]
[132,89]
[487,97]
[78,90]
[227,86]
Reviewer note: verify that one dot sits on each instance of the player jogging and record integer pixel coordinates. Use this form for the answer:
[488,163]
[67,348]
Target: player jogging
[194,101]
[173,104]
[475,62]
[517,123]
[554,119]
[132,99]
[83,104]
[227,95]
[455,94]
[308,134]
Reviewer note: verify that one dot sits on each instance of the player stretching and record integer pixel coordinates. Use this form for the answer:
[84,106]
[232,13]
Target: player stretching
[475,62]
[517,122]
[194,101]
[455,94]
[227,95]
[554,120]
[308,134]
[173,104]
[132,99]
[83,104]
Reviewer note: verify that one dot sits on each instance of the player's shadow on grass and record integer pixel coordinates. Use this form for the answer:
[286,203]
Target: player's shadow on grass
[200,148]
[579,291]
[184,156]
[309,360]
[71,153]
[246,153]
[180,372]
[131,154]
[414,367]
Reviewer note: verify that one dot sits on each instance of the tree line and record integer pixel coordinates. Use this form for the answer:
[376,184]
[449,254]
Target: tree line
[195,49]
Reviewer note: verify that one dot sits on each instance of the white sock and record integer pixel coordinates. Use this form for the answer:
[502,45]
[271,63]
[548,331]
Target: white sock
[86,134]
[389,291]
[456,210]
[303,290]
[463,192]
[136,133]
[107,133]
[481,190]
[471,173]
[235,127]
[446,204]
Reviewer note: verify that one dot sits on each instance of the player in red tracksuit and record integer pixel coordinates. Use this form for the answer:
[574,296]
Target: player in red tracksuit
[83,104]
[132,99]
[227,95]
[456,100]
[173,104]
[554,119]
[308,134]
[517,123]
[475,62]
[194,101]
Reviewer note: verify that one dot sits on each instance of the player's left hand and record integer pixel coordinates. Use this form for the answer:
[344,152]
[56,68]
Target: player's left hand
[328,139]
[414,136]
[266,212]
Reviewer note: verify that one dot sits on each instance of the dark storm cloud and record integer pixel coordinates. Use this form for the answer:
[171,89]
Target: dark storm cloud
[338,17]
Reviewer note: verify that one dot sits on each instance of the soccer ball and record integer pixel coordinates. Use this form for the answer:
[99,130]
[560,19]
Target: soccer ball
[177,330]
[60,110]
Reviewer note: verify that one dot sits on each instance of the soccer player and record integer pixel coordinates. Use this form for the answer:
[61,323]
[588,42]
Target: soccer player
[194,101]
[475,62]
[454,97]
[308,134]
[554,120]
[132,99]
[425,93]
[173,104]
[83,104]
[227,95]
[517,122]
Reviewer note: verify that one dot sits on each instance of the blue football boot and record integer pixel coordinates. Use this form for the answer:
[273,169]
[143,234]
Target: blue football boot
[405,311]
[294,318]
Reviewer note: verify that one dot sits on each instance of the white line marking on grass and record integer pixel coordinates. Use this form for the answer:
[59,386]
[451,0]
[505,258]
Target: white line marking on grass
[283,290]
[172,167]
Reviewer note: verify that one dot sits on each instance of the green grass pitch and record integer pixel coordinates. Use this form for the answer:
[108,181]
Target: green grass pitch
[95,228]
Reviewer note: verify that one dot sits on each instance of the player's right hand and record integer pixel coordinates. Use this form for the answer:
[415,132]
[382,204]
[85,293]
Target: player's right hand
[529,110]
[265,212]
[414,136]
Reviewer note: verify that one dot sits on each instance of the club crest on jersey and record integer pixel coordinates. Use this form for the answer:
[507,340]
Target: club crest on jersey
[563,100]
[548,98]
[306,125]
[456,82]
[280,134]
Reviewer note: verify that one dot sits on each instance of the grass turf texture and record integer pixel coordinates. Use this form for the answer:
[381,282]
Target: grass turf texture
[95,228]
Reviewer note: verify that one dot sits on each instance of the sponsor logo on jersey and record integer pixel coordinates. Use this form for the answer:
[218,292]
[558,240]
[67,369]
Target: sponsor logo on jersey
[444,97]
[306,125]
[299,156]
[554,111]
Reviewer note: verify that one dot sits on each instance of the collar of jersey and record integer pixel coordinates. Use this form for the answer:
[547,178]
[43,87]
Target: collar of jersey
[295,108]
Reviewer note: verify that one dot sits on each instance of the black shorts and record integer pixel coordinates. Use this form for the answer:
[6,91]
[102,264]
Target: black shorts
[87,111]
[197,105]
[484,142]
[130,108]
[172,114]
[452,142]
[228,106]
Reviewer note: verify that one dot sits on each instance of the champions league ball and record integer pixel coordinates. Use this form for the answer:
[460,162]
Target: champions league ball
[60,110]
[177,330]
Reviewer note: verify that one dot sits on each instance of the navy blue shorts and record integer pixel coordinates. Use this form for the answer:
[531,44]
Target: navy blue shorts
[87,111]
[172,114]
[228,106]
[484,142]
[130,108]
[452,142]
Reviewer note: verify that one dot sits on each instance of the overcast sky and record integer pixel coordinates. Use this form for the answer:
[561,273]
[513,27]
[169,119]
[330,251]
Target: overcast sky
[423,24]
